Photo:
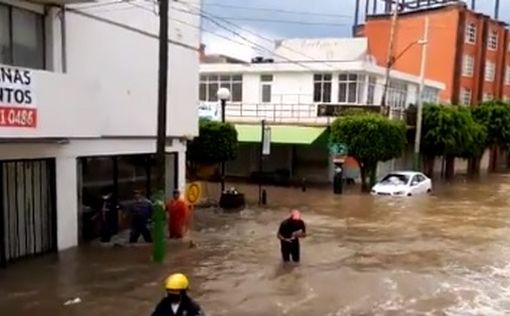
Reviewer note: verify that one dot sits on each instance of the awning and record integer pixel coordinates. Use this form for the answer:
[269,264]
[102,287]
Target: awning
[280,134]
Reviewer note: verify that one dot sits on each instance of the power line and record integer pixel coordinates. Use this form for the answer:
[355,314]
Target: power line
[280,21]
[275,10]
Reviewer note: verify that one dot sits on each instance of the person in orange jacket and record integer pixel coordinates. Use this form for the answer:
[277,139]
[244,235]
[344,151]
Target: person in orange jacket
[178,213]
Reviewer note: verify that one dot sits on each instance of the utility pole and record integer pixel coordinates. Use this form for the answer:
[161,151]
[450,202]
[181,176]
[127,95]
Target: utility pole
[417,141]
[159,215]
[391,47]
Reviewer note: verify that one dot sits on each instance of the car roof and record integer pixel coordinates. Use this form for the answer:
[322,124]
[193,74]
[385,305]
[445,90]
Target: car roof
[405,173]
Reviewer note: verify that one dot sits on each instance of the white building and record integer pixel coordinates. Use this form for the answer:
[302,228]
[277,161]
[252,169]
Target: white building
[82,117]
[300,93]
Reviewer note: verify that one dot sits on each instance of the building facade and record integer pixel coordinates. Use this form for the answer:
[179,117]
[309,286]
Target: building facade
[299,94]
[78,105]
[467,50]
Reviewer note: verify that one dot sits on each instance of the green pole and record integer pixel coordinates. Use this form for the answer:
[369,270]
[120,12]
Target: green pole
[158,228]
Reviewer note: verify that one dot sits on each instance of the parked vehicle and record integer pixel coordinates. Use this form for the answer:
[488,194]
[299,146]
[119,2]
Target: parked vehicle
[403,183]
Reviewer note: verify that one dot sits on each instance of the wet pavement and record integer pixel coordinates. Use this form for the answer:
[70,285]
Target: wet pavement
[446,254]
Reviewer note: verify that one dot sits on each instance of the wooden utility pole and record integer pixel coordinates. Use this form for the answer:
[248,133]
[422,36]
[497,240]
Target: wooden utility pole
[391,47]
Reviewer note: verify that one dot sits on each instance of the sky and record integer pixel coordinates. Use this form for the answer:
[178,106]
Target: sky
[323,18]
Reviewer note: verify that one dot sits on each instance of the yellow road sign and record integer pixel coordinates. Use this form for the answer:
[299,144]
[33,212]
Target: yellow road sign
[193,192]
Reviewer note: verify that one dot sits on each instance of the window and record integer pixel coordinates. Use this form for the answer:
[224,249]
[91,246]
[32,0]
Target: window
[468,65]
[430,95]
[322,88]
[351,88]
[471,33]
[209,85]
[507,75]
[21,38]
[266,82]
[397,94]
[488,97]
[465,96]
[372,81]
[490,71]
[492,43]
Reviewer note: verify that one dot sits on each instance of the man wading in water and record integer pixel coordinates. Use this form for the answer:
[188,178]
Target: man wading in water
[289,233]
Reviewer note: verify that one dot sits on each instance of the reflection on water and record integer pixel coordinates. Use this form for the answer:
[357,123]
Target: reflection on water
[447,254]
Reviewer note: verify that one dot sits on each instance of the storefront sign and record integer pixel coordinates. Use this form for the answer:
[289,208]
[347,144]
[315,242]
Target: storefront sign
[17,100]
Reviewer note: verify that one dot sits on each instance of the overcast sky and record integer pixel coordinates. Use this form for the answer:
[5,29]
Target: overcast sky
[338,14]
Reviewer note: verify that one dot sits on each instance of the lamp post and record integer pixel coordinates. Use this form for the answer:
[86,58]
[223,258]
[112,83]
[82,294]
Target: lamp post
[223,95]
[419,115]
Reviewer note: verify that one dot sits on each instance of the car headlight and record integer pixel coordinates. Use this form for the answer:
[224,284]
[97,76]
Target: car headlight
[400,193]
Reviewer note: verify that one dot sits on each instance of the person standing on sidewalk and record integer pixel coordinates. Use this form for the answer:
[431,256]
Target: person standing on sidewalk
[177,302]
[141,212]
[178,215]
[289,233]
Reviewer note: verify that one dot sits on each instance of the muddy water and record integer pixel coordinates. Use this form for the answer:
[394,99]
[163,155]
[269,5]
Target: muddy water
[447,254]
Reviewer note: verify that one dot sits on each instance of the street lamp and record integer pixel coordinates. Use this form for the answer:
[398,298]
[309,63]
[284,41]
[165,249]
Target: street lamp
[223,95]
[419,115]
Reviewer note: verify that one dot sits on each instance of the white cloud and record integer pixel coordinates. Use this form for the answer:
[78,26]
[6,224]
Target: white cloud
[226,43]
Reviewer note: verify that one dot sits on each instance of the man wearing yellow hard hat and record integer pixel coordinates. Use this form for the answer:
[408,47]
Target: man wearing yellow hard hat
[177,302]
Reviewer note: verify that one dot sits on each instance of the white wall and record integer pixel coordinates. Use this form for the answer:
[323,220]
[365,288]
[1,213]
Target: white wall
[111,84]
[125,63]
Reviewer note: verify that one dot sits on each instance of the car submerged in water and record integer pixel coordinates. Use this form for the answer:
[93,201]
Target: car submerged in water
[403,183]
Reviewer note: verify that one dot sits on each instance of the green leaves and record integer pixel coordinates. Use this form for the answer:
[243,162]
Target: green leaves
[370,138]
[451,131]
[216,142]
[495,117]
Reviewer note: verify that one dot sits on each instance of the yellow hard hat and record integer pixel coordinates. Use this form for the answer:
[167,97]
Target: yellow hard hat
[177,282]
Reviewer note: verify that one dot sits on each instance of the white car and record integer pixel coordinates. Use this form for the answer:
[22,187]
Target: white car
[403,183]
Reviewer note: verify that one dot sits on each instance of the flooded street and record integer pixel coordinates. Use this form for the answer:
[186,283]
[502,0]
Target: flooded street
[447,254]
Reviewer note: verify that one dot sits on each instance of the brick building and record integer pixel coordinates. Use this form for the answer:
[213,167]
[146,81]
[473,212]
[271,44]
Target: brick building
[468,50]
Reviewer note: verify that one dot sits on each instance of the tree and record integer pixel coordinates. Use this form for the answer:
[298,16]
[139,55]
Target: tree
[216,142]
[370,138]
[495,117]
[450,131]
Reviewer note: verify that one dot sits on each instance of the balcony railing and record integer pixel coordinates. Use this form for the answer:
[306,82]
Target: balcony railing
[320,114]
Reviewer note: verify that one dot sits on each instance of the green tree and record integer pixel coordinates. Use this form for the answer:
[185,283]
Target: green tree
[370,138]
[495,117]
[450,131]
[216,142]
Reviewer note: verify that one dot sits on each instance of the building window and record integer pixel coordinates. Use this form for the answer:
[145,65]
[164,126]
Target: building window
[322,88]
[430,95]
[21,38]
[397,94]
[209,85]
[492,43]
[351,88]
[471,33]
[507,75]
[490,71]
[266,83]
[468,65]
[372,82]
[488,97]
[465,96]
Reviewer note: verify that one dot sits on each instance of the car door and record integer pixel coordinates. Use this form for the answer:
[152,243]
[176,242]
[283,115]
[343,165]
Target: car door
[415,185]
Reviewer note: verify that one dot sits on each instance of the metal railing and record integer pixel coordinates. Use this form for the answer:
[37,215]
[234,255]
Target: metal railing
[277,113]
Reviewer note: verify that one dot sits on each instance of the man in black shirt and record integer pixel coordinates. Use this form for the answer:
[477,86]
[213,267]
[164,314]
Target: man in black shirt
[289,233]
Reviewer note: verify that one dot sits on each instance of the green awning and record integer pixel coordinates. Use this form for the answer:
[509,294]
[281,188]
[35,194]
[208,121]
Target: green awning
[280,134]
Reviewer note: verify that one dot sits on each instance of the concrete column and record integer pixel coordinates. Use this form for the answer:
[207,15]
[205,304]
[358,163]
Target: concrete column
[170,175]
[181,173]
[67,202]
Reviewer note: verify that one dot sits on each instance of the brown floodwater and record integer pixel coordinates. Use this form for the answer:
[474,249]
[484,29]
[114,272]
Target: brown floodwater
[445,254]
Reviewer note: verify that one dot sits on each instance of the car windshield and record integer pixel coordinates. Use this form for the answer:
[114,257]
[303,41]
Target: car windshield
[395,179]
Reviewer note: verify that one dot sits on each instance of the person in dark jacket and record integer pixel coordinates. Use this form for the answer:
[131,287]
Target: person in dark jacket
[177,302]
[141,212]
[289,233]
[107,216]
